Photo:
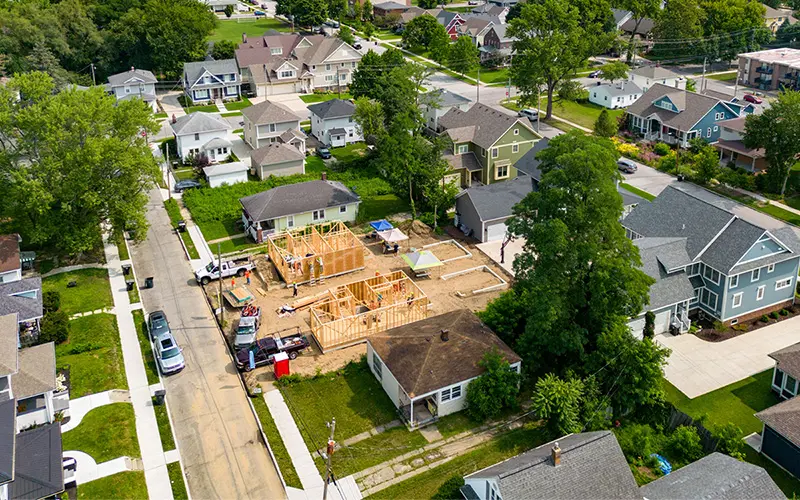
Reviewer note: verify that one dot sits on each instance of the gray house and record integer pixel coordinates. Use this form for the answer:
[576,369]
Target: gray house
[332,123]
[266,122]
[207,81]
[277,159]
[739,264]
[135,83]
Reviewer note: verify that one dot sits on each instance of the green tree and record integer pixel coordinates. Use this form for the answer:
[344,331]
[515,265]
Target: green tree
[54,328]
[684,446]
[732,27]
[439,45]
[366,9]
[357,11]
[705,164]
[463,55]
[369,29]
[729,440]
[680,22]
[427,4]
[224,49]
[41,59]
[615,70]
[605,126]
[371,77]
[554,39]
[72,161]
[640,10]
[514,12]
[439,195]
[369,119]
[495,390]
[336,8]
[777,130]
[346,35]
[649,325]
[571,90]
[788,34]
[420,31]
[305,13]
[228,11]
[558,402]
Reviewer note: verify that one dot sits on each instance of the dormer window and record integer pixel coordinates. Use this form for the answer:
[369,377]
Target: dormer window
[286,74]
[276,51]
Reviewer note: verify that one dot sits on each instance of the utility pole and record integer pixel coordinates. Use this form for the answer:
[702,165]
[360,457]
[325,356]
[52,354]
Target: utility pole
[93,80]
[219,271]
[538,107]
[479,83]
[703,78]
[331,444]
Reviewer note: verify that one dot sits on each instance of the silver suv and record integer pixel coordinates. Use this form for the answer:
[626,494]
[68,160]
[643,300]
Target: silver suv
[169,355]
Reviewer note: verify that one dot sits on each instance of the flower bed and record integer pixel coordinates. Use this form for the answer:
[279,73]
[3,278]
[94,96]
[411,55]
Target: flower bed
[716,332]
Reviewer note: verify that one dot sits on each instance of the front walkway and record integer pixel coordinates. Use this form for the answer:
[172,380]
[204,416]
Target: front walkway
[78,408]
[697,367]
[87,470]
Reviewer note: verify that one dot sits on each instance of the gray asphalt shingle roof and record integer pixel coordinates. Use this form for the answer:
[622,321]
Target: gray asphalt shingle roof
[668,288]
[297,199]
[335,108]
[622,88]
[715,476]
[8,431]
[731,245]
[592,466]
[38,469]
[26,307]
[9,328]
[496,200]
[269,112]
[225,168]
[133,74]
[275,152]
[37,371]
[194,70]
[654,72]
[693,106]
[788,360]
[784,418]
[198,123]
[464,160]
[444,98]
[490,124]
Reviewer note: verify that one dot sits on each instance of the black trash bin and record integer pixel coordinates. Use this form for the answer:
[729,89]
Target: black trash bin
[148,282]
[129,284]
[158,397]
[182,226]
[126,269]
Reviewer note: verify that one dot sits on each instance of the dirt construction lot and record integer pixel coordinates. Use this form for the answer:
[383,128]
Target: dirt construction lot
[444,295]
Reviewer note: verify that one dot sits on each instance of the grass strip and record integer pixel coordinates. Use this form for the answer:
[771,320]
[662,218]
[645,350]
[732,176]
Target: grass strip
[176,481]
[164,428]
[128,485]
[105,433]
[93,354]
[122,248]
[150,367]
[174,213]
[633,189]
[133,294]
[276,443]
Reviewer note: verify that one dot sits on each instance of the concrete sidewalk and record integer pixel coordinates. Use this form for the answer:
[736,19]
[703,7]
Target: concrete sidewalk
[155,465]
[697,367]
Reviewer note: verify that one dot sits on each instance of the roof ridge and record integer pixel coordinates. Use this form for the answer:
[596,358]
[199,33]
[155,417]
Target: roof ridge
[602,435]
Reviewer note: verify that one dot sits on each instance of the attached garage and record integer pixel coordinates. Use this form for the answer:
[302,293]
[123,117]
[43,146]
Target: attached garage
[226,173]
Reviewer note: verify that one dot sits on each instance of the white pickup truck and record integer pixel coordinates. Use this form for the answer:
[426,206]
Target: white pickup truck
[211,271]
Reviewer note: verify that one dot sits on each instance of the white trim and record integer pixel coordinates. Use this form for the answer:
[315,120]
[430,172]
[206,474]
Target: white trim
[714,238]
[753,276]
[792,256]
[739,295]
[760,308]
[770,268]
[779,242]
[731,286]
[760,291]
[719,275]
[791,280]
[761,240]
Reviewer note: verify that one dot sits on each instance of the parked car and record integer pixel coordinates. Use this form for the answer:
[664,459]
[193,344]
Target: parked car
[247,327]
[169,355]
[264,350]
[259,13]
[357,46]
[531,114]
[753,98]
[626,166]
[157,324]
[472,2]
[211,271]
[595,74]
[185,184]
[332,23]
[324,153]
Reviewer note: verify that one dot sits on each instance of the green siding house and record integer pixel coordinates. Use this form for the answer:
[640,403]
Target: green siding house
[486,144]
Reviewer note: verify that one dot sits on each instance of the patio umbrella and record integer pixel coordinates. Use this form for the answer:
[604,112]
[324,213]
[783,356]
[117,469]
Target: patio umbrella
[420,260]
[392,235]
[381,225]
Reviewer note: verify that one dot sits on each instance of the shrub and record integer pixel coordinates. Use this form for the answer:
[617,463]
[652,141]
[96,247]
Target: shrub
[629,150]
[558,401]
[661,149]
[764,318]
[719,326]
[729,440]
[54,328]
[450,489]
[784,312]
[51,301]
[639,440]
[81,348]
[493,391]
[773,315]
[668,163]
[683,445]
[649,324]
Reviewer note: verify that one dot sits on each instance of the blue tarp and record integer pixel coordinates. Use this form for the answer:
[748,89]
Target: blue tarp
[663,464]
[381,225]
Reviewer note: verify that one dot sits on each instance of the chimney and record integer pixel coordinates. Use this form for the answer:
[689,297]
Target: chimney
[555,454]
[244,37]
[445,335]
[324,176]
[174,119]
[133,69]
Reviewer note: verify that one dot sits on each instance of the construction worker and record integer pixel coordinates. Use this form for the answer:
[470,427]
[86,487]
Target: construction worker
[247,276]
[233,282]
[294,289]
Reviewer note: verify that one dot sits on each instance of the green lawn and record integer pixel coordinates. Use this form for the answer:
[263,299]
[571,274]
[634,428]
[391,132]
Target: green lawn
[150,367]
[350,152]
[380,206]
[231,29]
[276,443]
[564,127]
[160,116]
[133,294]
[373,451]
[426,484]
[91,293]
[581,113]
[238,105]
[635,190]
[210,108]
[315,98]
[177,482]
[187,240]
[455,423]
[215,230]
[728,76]
[233,113]
[234,245]
[128,485]
[100,367]
[105,433]
[183,174]
[499,75]
[776,212]
[164,428]
[174,213]
[122,248]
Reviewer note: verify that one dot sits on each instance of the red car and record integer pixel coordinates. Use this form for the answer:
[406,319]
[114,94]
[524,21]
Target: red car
[753,98]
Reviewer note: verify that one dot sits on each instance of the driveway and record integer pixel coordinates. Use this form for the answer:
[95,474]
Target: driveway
[221,447]
[697,367]
[649,179]
[513,248]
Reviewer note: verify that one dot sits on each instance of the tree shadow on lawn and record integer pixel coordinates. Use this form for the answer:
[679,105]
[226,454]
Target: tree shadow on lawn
[757,394]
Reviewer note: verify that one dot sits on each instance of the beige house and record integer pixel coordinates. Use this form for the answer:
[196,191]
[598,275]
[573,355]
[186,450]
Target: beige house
[277,159]
[267,122]
[770,69]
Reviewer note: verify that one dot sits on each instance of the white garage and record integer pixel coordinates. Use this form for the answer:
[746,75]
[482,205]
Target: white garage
[493,231]
[661,323]
[226,173]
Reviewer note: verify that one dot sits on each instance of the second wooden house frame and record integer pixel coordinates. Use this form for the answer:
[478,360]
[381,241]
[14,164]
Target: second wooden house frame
[356,310]
[310,253]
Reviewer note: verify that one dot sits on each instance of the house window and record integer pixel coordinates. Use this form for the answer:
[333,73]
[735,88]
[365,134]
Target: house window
[353,64]
[708,132]
[196,137]
[451,393]
[770,268]
[790,387]
[784,283]
[276,51]
[755,275]
[716,128]
[515,148]
[734,281]
[711,275]
[709,298]
[694,269]
[760,293]
[501,171]
[516,131]
[329,78]
[127,89]
[287,74]
[377,366]
[737,300]
[318,215]
[290,221]
[483,153]
[327,67]
[463,148]
[343,209]
[777,378]
[272,127]
[494,152]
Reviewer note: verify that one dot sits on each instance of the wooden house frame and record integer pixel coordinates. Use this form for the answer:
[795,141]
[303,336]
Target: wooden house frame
[309,253]
[354,311]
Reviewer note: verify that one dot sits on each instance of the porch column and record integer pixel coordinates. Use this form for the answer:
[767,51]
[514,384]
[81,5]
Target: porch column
[412,412]
[721,154]
[753,164]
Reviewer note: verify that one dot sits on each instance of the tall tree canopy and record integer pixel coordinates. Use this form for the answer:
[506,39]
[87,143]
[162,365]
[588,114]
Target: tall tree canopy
[423,31]
[777,130]
[680,22]
[640,10]
[463,55]
[304,12]
[72,160]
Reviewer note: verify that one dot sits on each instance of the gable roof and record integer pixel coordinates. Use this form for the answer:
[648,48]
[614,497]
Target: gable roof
[592,466]
[275,152]
[784,418]
[390,6]
[715,476]
[693,106]
[788,360]
[422,362]
[489,124]
[654,72]
[199,122]
[659,256]
[37,463]
[26,308]
[645,27]
[497,200]
[37,371]
[8,431]
[136,74]
[297,199]
[194,70]
[335,108]
[301,51]
[444,98]
[621,88]
[269,112]
[9,252]
[225,168]
[9,328]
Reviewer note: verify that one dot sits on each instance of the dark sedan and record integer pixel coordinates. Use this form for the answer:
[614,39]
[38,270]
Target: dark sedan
[185,184]
[324,153]
[157,324]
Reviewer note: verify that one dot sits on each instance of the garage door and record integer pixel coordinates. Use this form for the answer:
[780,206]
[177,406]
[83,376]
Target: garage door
[662,322]
[637,327]
[494,232]
[286,88]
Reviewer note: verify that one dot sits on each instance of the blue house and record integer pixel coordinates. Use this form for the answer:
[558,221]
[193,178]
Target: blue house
[676,116]
[209,81]
[712,256]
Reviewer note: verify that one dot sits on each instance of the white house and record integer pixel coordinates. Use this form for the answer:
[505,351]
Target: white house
[266,122]
[615,95]
[205,81]
[136,83]
[647,76]
[425,367]
[332,123]
[203,133]
[437,103]
[226,173]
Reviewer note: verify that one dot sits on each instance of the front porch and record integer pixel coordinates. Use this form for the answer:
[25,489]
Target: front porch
[654,130]
[741,156]
[419,411]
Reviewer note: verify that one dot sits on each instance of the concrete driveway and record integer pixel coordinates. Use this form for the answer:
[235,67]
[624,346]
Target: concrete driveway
[492,250]
[697,367]
[648,179]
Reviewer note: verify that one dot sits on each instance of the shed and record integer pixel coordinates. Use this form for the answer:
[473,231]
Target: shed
[483,210]
[226,173]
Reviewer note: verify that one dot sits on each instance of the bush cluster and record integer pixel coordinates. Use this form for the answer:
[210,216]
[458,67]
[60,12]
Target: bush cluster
[661,149]
[54,328]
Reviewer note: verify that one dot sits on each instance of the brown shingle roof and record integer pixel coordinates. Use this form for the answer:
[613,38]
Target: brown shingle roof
[9,252]
[788,360]
[784,418]
[8,344]
[269,112]
[422,362]
[37,371]
[490,124]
